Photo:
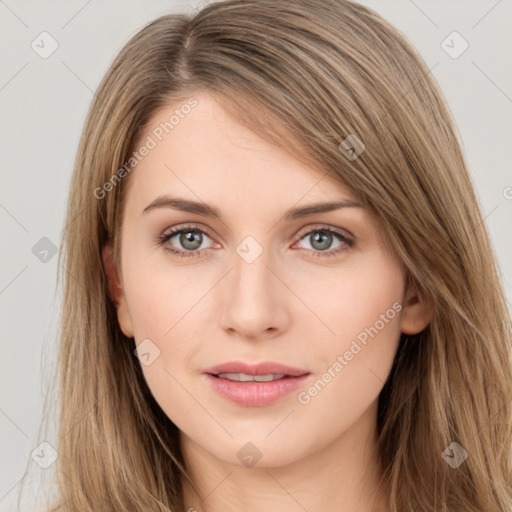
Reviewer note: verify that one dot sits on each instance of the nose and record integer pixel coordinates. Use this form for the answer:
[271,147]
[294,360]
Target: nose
[254,300]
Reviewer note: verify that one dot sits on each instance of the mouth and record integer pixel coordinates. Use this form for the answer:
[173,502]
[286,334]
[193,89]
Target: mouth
[245,377]
[241,371]
[255,385]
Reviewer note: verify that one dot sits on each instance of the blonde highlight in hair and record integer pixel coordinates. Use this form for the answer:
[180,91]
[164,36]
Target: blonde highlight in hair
[304,75]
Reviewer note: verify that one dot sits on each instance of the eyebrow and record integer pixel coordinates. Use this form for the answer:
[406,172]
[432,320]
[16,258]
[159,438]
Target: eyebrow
[199,208]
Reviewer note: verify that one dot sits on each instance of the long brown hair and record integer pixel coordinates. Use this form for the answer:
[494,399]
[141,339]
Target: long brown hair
[305,75]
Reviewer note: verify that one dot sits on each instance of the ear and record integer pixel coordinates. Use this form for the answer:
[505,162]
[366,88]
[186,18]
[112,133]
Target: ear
[417,311]
[117,292]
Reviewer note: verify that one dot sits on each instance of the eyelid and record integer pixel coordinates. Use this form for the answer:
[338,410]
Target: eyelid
[188,225]
[328,227]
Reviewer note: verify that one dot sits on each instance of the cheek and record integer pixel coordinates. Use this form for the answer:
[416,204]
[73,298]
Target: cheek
[367,324]
[354,297]
[159,295]
[160,307]
[167,306]
[367,301]
[363,309]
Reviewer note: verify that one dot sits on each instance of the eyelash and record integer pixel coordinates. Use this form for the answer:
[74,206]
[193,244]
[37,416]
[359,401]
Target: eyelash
[162,239]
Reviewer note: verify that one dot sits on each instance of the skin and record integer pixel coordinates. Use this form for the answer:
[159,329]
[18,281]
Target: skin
[289,306]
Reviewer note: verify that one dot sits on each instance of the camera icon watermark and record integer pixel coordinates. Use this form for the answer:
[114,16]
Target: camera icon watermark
[454,455]
[454,45]
[44,45]
[351,147]
[249,249]
[249,455]
[44,455]
[147,352]
[44,250]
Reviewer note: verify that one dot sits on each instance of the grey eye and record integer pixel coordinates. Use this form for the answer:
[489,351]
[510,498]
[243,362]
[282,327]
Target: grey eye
[190,239]
[320,240]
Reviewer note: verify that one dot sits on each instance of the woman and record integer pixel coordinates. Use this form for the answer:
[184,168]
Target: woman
[279,290]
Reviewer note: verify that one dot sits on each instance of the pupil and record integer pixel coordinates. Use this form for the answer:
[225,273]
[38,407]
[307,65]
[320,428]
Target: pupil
[321,240]
[191,240]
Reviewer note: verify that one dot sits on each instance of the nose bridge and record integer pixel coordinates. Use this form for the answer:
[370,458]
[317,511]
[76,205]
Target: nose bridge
[251,276]
[252,301]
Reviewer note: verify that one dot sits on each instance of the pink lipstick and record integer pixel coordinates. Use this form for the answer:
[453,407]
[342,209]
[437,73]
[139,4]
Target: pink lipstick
[255,385]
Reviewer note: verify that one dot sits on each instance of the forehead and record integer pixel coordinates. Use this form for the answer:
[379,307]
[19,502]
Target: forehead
[202,153]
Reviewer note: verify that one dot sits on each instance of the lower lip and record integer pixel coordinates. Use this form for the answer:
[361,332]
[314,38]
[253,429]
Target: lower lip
[255,394]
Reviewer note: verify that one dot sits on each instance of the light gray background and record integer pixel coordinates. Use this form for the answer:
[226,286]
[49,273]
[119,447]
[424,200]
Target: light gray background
[43,106]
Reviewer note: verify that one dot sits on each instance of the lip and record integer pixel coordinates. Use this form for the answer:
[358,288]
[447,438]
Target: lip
[255,394]
[263,368]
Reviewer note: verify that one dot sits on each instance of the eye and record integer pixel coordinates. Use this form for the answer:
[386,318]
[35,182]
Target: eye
[186,241]
[190,238]
[321,239]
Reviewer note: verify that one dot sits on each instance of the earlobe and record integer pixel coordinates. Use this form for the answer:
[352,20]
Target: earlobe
[117,293]
[417,312]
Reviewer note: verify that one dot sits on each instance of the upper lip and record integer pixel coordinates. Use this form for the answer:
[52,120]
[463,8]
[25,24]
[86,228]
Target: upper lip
[264,368]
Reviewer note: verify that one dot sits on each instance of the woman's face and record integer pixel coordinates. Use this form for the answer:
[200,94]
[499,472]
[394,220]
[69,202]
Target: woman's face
[254,284]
